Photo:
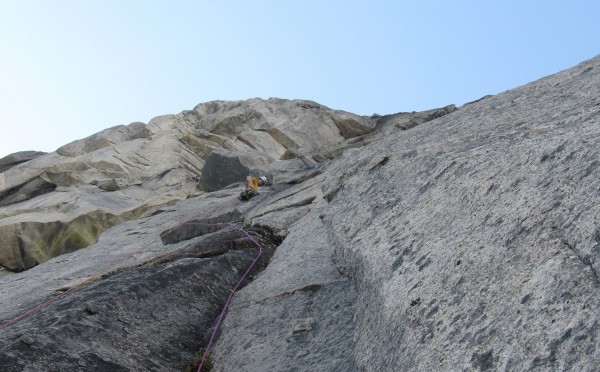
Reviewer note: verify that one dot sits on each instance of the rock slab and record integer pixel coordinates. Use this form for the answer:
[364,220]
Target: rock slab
[478,247]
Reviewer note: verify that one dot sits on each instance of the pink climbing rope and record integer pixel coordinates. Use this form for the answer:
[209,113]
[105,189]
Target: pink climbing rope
[92,278]
[44,304]
[225,307]
[234,290]
[237,286]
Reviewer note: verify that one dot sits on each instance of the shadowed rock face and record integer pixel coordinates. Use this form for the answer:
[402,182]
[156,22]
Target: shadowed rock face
[122,310]
[213,177]
[26,191]
[452,239]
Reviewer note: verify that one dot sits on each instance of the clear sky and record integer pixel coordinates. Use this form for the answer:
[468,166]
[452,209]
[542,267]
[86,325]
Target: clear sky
[70,68]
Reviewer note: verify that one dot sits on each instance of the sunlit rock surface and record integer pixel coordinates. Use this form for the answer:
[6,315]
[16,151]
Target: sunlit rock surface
[452,239]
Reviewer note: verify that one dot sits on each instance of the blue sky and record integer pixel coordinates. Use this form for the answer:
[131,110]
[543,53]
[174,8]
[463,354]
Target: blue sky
[70,68]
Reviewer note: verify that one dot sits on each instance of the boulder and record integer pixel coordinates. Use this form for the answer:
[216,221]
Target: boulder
[298,315]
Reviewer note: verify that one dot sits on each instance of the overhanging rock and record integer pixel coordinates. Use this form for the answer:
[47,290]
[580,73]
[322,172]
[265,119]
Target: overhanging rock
[222,169]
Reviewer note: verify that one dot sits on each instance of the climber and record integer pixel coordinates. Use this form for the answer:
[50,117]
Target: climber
[252,187]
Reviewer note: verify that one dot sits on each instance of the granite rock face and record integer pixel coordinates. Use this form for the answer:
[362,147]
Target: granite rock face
[298,314]
[471,243]
[478,247]
[157,290]
[452,239]
[119,173]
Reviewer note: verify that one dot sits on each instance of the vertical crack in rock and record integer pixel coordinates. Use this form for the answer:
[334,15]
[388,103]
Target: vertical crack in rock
[298,314]
[218,247]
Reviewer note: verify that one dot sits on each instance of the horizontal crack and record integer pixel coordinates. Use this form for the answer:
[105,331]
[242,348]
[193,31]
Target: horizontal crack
[213,252]
[203,249]
[300,203]
[307,288]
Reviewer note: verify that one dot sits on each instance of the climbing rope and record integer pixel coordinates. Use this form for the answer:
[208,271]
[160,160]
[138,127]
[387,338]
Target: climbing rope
[40,306]
[238,227]
[95,277]
[237,286]
[235,226]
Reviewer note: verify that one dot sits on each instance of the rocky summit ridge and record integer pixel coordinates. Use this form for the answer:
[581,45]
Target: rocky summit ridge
[451,239]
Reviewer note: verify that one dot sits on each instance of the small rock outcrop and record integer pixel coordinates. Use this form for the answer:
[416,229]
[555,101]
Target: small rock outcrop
[451,239]
[11,160]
